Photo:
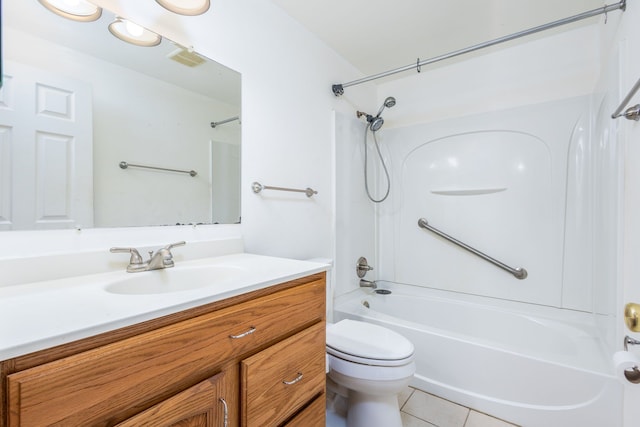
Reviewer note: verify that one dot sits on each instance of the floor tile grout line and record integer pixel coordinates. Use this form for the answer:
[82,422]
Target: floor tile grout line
[468,415]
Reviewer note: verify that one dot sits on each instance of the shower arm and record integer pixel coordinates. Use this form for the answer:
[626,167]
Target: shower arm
[518,273]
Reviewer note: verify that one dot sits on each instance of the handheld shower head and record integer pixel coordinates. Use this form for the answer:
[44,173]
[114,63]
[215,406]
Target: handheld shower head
[388,103]
[375,123]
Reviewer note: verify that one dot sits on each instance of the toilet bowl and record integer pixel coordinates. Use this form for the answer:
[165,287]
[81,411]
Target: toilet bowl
[369,365]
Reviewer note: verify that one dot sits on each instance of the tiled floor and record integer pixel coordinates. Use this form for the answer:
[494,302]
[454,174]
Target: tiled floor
[420,409]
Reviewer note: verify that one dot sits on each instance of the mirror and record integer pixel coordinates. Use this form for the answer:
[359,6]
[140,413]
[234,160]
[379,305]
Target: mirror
[77,102]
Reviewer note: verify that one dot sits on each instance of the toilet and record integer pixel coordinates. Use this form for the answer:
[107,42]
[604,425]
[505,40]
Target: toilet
[368,365]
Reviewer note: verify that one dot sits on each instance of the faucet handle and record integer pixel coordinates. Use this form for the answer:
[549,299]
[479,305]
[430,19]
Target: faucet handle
[136,259]
[167,256]
[173,245]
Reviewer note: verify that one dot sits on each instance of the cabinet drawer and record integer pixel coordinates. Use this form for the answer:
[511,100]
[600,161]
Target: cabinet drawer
[280,380]
[313,415]
[111,383]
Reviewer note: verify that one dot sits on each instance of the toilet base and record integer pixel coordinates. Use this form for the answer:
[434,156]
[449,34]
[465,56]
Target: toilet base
[366,410]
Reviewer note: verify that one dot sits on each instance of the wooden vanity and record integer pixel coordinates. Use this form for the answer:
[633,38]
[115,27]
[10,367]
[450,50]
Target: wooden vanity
[256,359]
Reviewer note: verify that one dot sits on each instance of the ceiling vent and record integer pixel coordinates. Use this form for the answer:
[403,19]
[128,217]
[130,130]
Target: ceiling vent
[186,57]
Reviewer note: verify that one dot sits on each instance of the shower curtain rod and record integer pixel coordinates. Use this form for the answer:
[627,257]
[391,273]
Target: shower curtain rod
[338,89]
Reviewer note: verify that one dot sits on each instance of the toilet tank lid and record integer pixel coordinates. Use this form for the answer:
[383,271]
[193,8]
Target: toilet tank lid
[368,340]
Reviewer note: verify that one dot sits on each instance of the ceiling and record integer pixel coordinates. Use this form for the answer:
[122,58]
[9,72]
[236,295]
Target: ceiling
[380,35]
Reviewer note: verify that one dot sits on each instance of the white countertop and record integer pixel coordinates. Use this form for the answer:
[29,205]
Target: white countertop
[44,314]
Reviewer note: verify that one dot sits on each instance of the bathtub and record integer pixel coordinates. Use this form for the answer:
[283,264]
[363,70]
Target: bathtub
[530,365]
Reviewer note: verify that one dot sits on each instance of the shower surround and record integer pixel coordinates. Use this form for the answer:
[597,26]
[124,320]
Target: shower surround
[535,187]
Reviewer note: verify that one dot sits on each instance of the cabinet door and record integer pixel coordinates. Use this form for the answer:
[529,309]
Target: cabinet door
[202,405]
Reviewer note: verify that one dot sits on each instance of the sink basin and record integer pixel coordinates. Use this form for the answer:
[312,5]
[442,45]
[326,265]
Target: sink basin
[176,279]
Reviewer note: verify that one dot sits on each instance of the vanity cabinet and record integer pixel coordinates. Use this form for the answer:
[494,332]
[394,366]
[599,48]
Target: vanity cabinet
[257,359]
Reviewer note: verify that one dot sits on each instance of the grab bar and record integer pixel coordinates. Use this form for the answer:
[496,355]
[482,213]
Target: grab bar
[518,273]
[257,187]
[631,113]
[221,122]
[124,165]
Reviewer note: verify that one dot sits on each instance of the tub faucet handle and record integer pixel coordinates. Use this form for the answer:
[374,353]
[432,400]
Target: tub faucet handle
[362,267]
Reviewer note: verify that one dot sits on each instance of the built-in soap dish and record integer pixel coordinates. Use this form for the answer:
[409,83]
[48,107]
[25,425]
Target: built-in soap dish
[468,191]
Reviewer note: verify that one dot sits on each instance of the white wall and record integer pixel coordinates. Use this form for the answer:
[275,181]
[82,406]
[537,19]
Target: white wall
[559,66]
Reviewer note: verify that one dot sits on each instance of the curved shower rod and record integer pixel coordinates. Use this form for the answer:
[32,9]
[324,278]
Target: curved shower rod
[338,89]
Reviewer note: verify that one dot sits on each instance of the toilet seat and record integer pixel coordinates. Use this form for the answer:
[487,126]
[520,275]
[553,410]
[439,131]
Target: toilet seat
[368,344]
[366,361]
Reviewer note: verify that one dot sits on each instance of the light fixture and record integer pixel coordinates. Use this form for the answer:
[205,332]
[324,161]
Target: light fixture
[186,7]
[78,10]
[133,33]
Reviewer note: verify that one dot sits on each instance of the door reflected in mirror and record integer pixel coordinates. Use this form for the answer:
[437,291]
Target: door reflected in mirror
[76,102]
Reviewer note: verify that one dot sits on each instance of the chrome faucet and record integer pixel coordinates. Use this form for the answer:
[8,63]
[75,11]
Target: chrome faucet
[368,284]
[162,258]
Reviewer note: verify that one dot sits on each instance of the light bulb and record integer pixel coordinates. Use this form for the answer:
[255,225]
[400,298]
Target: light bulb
[133,33]
[134,29]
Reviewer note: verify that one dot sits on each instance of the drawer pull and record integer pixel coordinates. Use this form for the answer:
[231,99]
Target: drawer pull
[244,334]
[226,411]
[298,378]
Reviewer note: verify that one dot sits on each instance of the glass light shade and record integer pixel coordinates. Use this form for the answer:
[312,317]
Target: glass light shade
[186,7]
[133,33]
[78,10]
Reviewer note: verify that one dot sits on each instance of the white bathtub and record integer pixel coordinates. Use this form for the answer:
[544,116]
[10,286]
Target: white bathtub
[531,365]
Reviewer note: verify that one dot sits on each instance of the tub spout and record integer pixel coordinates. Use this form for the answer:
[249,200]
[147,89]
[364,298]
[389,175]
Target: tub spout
[368,284]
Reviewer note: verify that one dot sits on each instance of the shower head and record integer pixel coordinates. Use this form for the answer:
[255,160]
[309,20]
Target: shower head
[376,122]
[388,103]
